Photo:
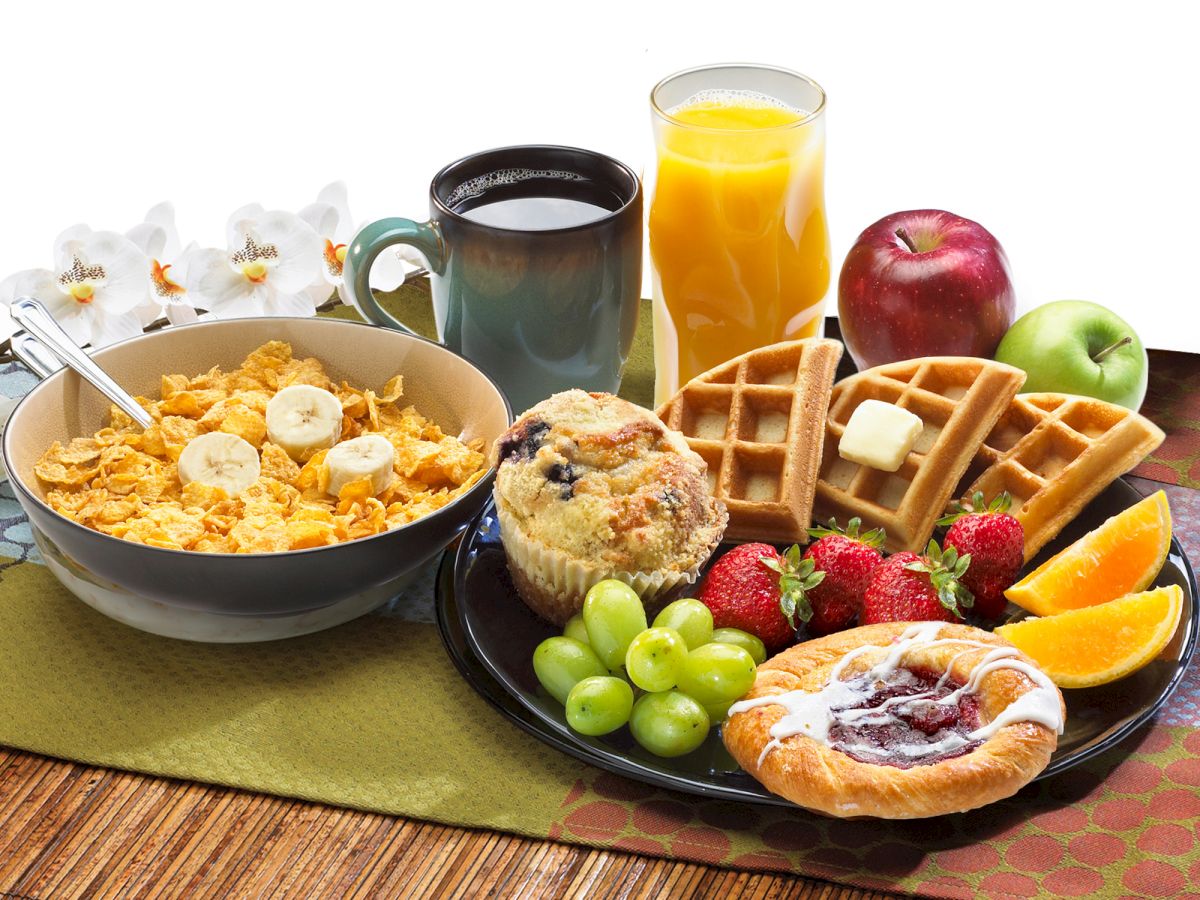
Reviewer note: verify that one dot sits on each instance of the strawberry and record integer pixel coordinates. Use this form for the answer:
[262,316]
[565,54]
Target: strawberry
[995,542]
[847,559]
[906,587]
[754,588]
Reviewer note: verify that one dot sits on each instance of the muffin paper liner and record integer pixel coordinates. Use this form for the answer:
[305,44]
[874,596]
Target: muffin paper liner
[553,583]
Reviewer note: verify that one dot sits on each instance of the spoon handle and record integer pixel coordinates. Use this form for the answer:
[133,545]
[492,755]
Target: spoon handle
[36,320]
[29,351]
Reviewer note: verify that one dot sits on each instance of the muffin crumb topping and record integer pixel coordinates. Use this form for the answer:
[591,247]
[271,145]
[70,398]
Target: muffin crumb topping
[604,480]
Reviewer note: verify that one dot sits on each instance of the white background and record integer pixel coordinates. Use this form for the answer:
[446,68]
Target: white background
[1067,129]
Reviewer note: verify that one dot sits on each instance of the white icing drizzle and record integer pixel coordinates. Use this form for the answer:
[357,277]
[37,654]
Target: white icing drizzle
[815,714]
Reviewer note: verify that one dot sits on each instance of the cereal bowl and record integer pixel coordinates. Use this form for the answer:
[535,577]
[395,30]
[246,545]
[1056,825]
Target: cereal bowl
[248,596]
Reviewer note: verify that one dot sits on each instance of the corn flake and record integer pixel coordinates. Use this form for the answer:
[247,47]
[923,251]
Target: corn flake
[124,481]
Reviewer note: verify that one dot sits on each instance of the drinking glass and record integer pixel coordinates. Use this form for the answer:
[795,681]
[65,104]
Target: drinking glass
[739,243]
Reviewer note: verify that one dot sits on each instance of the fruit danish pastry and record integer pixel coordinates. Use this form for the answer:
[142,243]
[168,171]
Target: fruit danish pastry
[897,721]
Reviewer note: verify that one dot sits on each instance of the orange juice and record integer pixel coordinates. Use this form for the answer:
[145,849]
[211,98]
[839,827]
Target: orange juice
[738,237]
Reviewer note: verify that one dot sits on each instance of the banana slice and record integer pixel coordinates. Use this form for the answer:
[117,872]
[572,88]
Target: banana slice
[370,456]
[303,419]
[220,460]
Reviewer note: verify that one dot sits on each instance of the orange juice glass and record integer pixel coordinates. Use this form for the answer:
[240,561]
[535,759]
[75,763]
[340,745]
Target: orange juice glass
[739,244]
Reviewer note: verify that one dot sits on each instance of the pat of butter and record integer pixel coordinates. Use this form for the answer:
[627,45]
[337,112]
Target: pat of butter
[880,435]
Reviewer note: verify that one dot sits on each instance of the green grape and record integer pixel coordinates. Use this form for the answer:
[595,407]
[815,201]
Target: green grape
[744,639]
[576,629]
[561,662]
[599,704]
[690,618]
[669,723]
[614,616]
[716,673]
[619,672]
[718,711]
[653,658]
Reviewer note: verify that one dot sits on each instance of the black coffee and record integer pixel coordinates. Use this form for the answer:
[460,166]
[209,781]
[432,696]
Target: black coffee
[533,199]
[536,213]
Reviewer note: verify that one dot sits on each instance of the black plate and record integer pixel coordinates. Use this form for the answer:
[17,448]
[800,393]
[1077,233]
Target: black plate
[490,634]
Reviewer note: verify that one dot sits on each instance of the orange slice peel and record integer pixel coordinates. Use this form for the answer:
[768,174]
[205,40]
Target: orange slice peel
[1099,644]
[1122,556]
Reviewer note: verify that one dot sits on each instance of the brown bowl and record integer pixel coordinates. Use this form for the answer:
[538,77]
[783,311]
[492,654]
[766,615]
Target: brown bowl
[132,581]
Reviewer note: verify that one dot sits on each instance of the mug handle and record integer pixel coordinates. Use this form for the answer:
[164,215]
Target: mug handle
[372,240]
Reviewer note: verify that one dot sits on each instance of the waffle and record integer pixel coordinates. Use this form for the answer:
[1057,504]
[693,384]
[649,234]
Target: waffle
[1053,453]
[756,420]
[959,399]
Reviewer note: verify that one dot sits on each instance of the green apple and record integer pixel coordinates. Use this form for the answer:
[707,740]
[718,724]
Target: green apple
[1077,347]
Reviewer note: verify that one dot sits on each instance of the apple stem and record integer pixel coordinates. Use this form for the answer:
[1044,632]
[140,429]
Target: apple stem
[902,233]
[1111,347]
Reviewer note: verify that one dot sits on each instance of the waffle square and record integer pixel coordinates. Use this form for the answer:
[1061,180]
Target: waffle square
[757,421]
[959,400]
[1054,453]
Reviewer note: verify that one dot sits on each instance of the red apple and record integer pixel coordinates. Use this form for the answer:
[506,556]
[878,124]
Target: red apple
[924,283]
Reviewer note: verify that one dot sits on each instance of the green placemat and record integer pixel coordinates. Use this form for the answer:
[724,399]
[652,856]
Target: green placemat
[372,715]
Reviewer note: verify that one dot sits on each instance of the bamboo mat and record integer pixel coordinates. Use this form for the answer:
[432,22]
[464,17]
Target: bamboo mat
[71,831]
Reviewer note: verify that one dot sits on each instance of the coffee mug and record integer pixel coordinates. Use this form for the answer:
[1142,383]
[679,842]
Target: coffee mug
[535,256]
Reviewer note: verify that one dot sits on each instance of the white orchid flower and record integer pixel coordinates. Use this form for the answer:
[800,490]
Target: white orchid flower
[97,284]
[272,262]
[330,218]
[158,238]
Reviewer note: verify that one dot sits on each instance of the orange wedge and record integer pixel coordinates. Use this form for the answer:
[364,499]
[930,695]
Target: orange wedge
[1120,557]
[1099,644]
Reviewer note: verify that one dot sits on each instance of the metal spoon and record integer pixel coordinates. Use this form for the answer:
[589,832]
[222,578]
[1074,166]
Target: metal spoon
[36,320]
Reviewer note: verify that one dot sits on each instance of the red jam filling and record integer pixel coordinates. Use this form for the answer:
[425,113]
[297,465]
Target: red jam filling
[878,738]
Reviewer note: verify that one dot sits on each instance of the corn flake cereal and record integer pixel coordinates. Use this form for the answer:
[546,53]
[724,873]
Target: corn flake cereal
[124,481]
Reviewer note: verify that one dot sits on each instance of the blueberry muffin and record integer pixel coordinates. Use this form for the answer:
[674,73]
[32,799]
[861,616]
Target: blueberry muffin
[590,486]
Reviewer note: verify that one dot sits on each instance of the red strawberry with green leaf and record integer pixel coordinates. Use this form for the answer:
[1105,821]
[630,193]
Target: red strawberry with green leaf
[754,588]
[906,587]
[847,558]
[995,541]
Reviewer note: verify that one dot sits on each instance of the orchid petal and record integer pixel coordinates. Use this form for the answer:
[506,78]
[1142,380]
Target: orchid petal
[42,284]
[411,255]
[75,319]
[108,329]
[181,314]
[299,249]
[323,217]
[249,306]
[233,228]
[388,272]
[149,312]
[63,254]
[181,261]
[37,283]
[213,284]
[126,284]
[320,293]
[151,239]
[281,304]
[163,215]
[335,195]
